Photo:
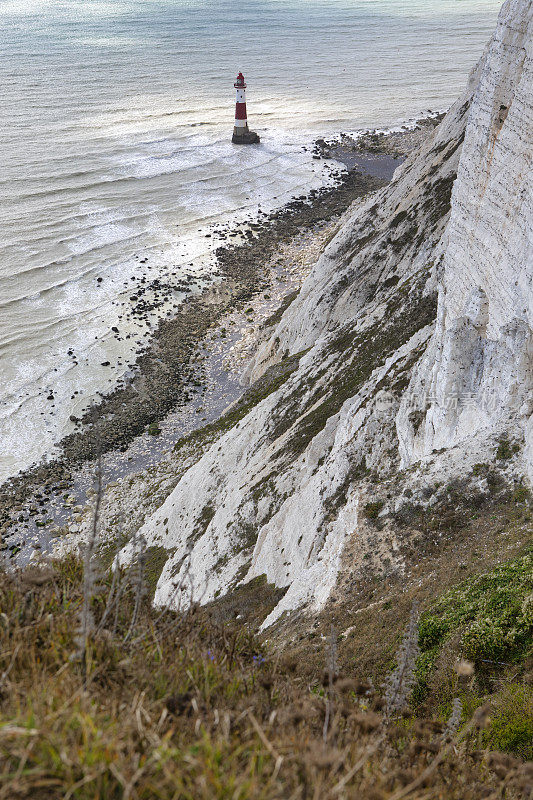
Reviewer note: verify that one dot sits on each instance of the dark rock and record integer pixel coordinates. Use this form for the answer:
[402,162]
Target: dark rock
[249,137]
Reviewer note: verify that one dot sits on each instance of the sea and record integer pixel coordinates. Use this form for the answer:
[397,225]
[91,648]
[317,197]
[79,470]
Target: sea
[116,158]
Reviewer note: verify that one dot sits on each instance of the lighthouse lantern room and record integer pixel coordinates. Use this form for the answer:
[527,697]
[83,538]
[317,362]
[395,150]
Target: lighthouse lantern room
[241,132]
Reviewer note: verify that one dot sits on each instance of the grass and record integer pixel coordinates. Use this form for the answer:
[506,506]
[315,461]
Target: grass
[154,429]
[156,558]
[276,316]
[354,355]
[196,706]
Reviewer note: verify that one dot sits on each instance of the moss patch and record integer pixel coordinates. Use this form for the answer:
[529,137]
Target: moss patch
[274,318]
[506,450]
[156,558]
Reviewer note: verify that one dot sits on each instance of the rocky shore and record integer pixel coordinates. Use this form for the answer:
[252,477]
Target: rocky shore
[190,371]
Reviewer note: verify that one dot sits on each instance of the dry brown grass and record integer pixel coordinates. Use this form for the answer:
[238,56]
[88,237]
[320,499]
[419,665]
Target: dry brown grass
[374,612]
[193,707]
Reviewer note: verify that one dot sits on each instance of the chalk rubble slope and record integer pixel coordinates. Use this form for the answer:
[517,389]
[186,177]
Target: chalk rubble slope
[412,334]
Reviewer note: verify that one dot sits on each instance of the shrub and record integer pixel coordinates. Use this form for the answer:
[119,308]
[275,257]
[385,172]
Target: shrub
[484,639]
[493,612]
[371,510]
[520,494]
[511,725]
[505,450]
[431,631]
[480,469]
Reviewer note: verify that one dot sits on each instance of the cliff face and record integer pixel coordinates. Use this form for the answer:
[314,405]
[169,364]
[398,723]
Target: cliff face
[413,334]
[478,369]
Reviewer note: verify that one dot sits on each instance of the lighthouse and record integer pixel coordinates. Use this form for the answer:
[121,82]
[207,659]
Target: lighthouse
[241,133]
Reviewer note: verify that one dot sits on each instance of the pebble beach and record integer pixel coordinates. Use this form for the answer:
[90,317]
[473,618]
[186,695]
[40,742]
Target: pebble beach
[191,370]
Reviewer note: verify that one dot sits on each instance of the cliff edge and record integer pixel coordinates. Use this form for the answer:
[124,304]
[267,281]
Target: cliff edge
[406,363]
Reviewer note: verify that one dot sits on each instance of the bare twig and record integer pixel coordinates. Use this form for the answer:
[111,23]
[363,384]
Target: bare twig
[271,749]
[400,683]
[9,667]
[89,576]
[331,667]
[454,720]
[139,585]
[115,590]
[370,750]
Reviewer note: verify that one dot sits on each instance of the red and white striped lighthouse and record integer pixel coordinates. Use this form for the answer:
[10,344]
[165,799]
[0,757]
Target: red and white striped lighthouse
[241,132]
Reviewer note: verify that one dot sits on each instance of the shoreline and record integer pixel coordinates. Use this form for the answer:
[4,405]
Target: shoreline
[185,367]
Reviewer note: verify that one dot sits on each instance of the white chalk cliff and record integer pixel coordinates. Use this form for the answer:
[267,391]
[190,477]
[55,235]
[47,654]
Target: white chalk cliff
[410,349]
[482,347]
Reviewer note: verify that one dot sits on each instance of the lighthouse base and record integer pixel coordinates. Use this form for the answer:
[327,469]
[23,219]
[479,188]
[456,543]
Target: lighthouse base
[247,137]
